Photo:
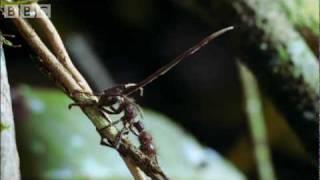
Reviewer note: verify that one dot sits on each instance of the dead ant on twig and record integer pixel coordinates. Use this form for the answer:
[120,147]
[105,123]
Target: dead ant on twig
[118,95]
[130,122]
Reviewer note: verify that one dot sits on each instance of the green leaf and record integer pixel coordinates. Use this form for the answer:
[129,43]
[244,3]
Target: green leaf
[63,144]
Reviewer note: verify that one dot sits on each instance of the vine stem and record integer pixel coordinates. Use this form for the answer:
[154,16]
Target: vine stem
[67,76]
[257,125]
[58,48]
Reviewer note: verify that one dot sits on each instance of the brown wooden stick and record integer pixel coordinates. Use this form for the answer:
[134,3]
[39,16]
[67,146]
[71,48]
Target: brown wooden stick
[134,159]
[58,48]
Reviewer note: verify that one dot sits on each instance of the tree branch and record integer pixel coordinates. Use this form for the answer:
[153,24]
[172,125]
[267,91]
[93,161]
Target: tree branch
[133,157]
[283,64]
[278,56]
[9,158]
[57,46]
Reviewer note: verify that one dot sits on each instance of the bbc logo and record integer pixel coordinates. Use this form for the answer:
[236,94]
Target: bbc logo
[26,11]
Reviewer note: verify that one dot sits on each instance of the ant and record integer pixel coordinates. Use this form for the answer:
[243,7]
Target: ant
[118,95]
[113,96]
[145,139]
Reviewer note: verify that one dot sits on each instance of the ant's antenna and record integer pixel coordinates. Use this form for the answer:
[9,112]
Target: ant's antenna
[177,60]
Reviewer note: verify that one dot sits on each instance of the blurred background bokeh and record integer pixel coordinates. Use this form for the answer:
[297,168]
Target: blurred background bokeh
[121,41]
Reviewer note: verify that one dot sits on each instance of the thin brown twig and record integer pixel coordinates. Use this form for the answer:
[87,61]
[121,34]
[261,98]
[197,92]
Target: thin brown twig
[133,157]
[47,58]
[58,48]
[138,174]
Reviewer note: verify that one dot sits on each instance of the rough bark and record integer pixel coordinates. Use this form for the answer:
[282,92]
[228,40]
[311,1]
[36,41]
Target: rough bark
[63,77]
[285,67]
[283,64]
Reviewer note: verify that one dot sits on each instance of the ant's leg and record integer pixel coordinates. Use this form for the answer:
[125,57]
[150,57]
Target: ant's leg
[118,139]
[130,86]
[115,122]
[103,109]
[107,111]
[104,141]
[111,123]
[105,116]
[116,111]
[84,104]
[112,111]
[141,91]
[131,127]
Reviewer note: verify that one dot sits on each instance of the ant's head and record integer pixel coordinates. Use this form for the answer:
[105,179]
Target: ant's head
[115,91]
[112,100]
[112,95]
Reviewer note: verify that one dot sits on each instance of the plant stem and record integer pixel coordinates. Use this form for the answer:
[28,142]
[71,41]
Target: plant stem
[58,47]
[134,158]
[257,123]
[9,159]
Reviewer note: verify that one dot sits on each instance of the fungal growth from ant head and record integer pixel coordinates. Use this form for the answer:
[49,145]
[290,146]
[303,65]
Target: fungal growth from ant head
[115,100]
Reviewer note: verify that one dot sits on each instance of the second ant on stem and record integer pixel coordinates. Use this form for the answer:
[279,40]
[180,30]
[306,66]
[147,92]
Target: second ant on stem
[119,95]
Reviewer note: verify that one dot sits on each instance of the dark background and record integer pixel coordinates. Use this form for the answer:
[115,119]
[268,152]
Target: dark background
[134,38]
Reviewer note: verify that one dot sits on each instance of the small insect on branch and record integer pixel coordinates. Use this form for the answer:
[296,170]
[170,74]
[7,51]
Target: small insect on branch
[115,100]
[118,95]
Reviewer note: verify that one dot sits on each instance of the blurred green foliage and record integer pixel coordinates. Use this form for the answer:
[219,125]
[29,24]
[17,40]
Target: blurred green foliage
[57,143]
[303,13]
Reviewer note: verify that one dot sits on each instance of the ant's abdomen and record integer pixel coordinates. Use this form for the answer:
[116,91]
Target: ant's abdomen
[146,144]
